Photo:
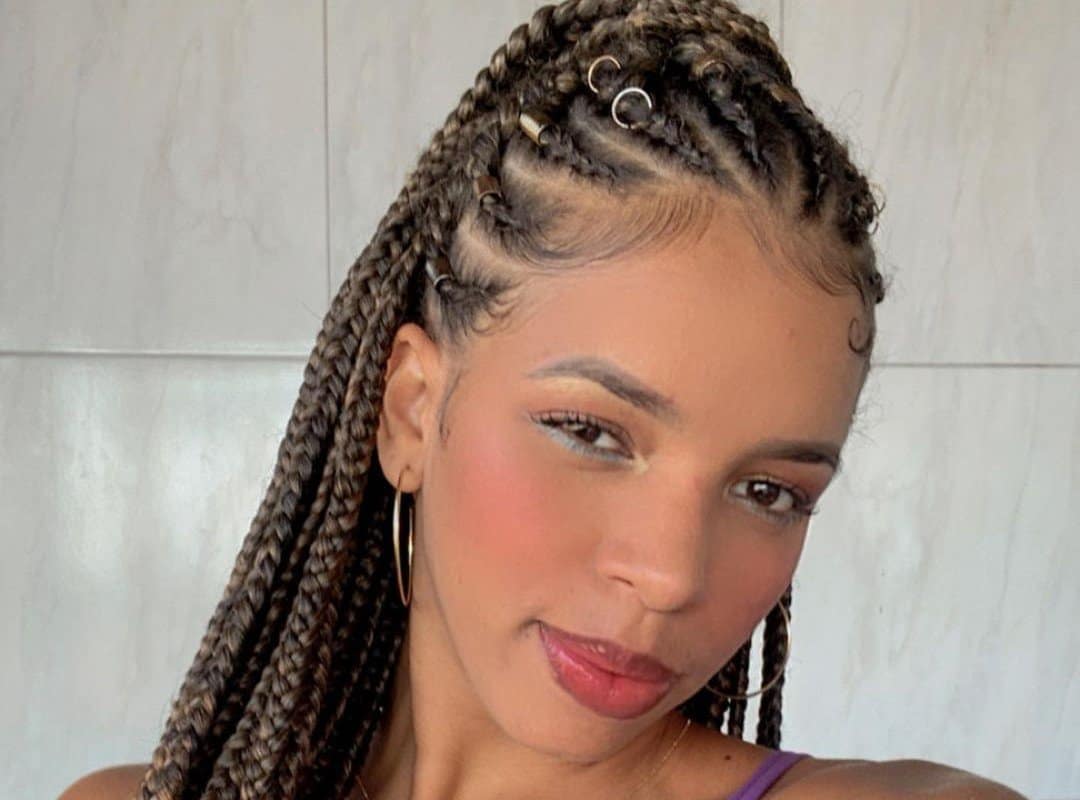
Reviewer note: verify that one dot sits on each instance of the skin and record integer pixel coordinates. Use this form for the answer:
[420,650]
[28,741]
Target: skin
[661,551]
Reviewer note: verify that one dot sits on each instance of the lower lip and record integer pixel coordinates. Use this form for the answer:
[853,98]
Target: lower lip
[606,693]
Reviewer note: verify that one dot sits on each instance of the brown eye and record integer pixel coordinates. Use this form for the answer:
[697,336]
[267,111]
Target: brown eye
[764,492]
[776,501]
[591,432]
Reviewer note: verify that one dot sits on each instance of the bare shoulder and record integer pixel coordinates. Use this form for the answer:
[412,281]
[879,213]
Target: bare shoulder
[861,779]
[111,783]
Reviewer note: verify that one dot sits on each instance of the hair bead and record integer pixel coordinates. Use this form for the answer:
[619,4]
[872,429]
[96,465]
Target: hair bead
[783,94]
[438,269]
[534,123]
[485,185]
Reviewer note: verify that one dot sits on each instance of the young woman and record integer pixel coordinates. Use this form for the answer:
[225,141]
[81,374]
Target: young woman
[557,447]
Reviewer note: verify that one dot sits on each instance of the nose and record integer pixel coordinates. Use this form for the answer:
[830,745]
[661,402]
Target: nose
[657,548]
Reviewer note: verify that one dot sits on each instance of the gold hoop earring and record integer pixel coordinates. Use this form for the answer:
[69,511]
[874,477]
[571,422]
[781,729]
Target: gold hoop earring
[783,666]
[404,584]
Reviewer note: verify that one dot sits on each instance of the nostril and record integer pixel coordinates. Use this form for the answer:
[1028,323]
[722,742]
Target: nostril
[666,569]
[662,591]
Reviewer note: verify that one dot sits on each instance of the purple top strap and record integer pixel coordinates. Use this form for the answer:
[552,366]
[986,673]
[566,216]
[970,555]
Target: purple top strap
[767,773]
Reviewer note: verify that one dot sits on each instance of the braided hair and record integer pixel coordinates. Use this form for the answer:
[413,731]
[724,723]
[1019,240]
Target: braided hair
[292,678]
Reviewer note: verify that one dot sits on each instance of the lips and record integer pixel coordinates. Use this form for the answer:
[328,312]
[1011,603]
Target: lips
[602,675]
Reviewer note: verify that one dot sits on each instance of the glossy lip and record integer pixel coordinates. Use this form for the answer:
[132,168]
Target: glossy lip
[604,676]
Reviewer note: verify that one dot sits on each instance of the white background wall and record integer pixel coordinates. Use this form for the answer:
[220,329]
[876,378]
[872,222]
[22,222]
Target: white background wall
[183,186]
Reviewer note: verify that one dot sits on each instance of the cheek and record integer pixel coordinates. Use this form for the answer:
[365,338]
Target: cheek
[504,519]
[747,579]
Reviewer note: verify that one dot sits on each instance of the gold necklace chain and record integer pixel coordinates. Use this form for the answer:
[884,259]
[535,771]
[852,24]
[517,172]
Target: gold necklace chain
[363,791]
[660,765]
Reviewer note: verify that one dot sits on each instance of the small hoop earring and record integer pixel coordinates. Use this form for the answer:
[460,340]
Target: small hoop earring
[404,585]
[783,666]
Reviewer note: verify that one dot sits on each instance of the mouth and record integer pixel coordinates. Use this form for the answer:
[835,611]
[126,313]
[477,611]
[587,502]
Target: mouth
[604,676]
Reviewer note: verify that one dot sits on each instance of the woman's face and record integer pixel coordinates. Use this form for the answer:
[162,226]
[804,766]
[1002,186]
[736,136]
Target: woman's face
[670,528]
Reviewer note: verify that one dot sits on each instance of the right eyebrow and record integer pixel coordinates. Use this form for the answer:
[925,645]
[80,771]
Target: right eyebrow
[617,381]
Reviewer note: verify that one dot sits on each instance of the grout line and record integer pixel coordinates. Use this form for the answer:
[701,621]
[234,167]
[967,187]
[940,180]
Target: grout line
[326,149]
[234,355]
[974,365]
[156,354]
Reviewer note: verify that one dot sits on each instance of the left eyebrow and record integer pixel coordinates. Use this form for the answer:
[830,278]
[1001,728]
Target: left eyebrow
[635,391]
[803,451]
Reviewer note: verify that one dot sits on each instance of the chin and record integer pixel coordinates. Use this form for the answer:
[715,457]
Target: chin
[544,718]
[573,738]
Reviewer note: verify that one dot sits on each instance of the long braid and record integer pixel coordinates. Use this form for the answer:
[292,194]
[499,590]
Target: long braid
[269,628]
[369,607]
[738,685]
[243,602]
[773,653]
[273,734]
[293,676]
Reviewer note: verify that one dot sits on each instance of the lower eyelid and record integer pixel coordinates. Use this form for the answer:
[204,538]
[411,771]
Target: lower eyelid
[558,423]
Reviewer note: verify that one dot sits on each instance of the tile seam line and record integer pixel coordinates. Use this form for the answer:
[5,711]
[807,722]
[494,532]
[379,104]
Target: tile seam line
[285,355]
[156,354]
[976,365]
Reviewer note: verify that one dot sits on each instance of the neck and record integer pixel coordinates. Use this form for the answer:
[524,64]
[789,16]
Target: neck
[438,744]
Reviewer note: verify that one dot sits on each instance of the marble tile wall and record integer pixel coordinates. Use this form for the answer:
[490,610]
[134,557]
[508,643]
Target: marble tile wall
[163,176]
[182,186]
[128,483]
[966,113]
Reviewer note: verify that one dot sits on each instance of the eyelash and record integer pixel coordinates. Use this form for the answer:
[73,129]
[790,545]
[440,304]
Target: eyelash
[558,421]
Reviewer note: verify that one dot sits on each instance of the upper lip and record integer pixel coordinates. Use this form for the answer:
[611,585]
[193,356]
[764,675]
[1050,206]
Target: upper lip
[613,657]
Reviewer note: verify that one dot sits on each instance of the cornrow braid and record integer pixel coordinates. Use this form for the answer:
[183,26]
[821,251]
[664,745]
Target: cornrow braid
[292,678]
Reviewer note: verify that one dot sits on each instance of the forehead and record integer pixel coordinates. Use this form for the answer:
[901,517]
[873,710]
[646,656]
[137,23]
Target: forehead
[709,319]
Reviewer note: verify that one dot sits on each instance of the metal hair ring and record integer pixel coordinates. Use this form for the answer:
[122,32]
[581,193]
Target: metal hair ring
[437,275]
[592,68]
[699,69]
[620,96]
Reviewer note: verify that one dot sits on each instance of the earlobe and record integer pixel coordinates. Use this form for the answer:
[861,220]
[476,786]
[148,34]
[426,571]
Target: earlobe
[411,387]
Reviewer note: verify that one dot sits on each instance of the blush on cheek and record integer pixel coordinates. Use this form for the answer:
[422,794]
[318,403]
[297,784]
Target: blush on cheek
[502,513]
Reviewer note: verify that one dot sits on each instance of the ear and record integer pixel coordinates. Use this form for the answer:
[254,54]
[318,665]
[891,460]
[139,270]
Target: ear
[414,381]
